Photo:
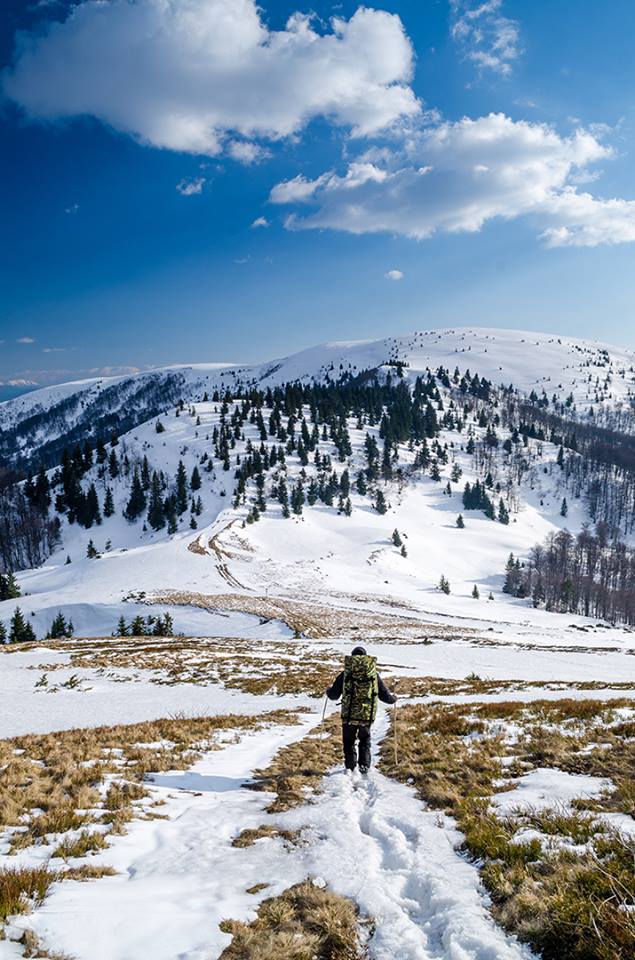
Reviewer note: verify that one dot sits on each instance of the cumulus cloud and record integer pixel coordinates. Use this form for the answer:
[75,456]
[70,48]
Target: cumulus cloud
[393,275]
[259,222]
[203,76]
[457,176]
[25,340]
[190,186]
[486,37]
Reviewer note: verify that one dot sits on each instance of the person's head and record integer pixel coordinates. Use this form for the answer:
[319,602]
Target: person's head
[358,652]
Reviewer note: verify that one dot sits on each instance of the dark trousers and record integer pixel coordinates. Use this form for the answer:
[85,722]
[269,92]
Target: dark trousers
[350,733]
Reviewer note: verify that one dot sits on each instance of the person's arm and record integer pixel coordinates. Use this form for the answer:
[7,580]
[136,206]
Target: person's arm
[334,692]
[384,693]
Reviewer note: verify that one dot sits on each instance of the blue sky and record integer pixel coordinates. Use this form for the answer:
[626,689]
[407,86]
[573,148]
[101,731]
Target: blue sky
[480,154]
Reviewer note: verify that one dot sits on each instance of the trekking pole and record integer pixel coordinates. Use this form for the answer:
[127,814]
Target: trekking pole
[326,700]
[394,728]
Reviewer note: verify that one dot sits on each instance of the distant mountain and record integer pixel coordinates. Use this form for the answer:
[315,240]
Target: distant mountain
[586,375]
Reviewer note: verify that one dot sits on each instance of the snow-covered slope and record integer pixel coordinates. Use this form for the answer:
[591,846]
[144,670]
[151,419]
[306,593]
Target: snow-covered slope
[593,374]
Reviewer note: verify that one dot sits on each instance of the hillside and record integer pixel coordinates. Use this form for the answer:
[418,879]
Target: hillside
[186,556]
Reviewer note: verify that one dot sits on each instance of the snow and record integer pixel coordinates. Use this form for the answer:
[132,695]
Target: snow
[371,840]
[548,787]
[178,878]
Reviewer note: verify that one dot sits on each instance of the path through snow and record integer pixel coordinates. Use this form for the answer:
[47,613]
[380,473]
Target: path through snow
[369,839]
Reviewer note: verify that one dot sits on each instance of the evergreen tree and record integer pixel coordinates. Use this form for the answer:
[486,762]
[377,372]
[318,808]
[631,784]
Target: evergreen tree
[503,513]
[20,630]
[109,503]
[181,487]
[138,626]
[156,514]
[444,584]
[113,465]
[9,589]
[564,507]
[195,482]
[60,629]
[396,539]
[404,552]
[475,594]
[380,502]
[3,633]
[460,522]
[145,473]
[137,502]
[91,551]
[159,427]
[93,514]
[122,628]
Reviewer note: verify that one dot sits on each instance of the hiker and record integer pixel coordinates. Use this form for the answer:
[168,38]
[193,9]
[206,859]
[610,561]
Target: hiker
[360,686]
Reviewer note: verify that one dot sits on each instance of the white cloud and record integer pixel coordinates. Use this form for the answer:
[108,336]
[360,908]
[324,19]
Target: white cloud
[190,186]
[25,340]
[53,349]
[259,222]
[394,275]
[486,37]
[73,209]
[193,75]
[456,177]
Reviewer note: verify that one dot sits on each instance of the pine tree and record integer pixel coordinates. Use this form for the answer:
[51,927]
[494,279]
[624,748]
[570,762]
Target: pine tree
[93,514]
[172,522]
[113,465]
[3,632]
[380,502]
[68,559]
[193,523]
[91,551]
[396,539]
[564,507]
[21,630]
[476,595]
[460,522]
[60,629]
[9,589]
[137,502]
[181,487]
[109,503]
[122,628]
[156,514]
[444,584]
[195,482]
[404,552]
[159,427]
[503,513]
[138,626]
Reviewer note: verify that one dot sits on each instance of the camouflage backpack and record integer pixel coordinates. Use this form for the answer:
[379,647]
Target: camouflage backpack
[359,697]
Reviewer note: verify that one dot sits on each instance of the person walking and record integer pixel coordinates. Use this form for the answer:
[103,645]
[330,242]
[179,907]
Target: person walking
[360,687]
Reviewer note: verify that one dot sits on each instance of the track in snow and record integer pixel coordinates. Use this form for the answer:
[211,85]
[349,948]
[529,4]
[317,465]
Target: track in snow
[371,840]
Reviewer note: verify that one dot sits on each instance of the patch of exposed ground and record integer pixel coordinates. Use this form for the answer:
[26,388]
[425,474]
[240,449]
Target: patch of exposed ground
[561,878]
[312,620]
[305,922]
[70,790]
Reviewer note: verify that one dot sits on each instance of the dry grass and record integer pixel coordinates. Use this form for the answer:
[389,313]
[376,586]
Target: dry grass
[51,782]
[22,888]
[425,686]
[303,923]
[569,903]
[273,667]
[297,769]
[249,836]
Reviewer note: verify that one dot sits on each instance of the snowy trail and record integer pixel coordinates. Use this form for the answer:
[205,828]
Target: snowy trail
[398,861]
[369,839]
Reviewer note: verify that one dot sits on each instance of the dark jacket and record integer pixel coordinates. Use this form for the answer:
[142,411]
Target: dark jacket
[335,691]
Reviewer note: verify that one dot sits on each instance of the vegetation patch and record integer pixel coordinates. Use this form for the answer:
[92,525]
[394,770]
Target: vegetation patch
[562,879]
[303,923]
[298,768]
[55,784]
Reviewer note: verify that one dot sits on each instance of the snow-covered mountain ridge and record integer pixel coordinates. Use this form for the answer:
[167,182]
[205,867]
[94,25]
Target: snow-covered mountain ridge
[590,373]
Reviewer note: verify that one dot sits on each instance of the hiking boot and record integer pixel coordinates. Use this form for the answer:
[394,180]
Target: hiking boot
[363,770]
